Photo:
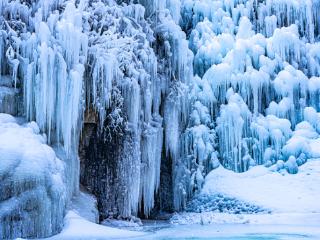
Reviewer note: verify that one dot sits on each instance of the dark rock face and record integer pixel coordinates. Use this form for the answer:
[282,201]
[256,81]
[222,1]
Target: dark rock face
[166,188]
[106,167]
[110,165]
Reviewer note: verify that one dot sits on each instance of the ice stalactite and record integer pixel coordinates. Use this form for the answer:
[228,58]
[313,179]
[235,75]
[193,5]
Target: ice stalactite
[10,97]
[177,72]
[152,139]
[53,80]
[45,53]
[302,13]
[267,131]
[122,89]
[265,52]
[200,145]
[232,128]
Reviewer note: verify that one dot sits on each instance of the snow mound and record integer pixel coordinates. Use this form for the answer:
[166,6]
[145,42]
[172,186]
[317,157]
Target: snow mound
[278,191]
[85,205]
[291,198]
[32,192]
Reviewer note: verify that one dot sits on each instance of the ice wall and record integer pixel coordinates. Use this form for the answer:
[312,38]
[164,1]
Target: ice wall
[102,63]
[172,86]
[42,57]
[120,82]
[137,81]
[175,72]
[257,68]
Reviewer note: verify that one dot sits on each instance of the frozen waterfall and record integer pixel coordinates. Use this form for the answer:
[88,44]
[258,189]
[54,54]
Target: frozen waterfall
[141,99]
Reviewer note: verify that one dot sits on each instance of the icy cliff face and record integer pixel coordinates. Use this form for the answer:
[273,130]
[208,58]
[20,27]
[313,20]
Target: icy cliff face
[140,101]
[153,95]
[101,63]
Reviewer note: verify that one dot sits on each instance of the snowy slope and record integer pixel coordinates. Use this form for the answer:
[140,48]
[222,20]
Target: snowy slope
[279,192]
[286,199]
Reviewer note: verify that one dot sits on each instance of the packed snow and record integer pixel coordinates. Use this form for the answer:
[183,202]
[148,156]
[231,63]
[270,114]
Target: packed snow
[259,196]
[32,192]
[277,191]
[76,227]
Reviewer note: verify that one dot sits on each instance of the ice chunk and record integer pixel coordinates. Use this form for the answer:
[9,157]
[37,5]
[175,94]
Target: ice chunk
[33,182]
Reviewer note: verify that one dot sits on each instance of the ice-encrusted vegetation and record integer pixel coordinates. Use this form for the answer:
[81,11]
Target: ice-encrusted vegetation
[221,204]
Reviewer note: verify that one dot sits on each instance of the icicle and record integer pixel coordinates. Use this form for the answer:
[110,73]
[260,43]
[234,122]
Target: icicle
[150,168]
[232,128]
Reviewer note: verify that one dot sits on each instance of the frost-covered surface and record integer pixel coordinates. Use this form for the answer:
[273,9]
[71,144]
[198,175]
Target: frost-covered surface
[185,87]
[286,197]
[279,192]
[221,203]
[32,192]
[255,96]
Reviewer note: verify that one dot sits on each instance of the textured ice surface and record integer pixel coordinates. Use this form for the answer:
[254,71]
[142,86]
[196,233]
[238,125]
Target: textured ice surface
[32,192]
[10,97]
[220,203]
[128,70]
[258,78]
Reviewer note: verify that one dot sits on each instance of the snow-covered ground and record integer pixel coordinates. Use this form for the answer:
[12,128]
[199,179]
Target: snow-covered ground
[290,202]
[268,227]
[277,191]
[77,227]
[282,197]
